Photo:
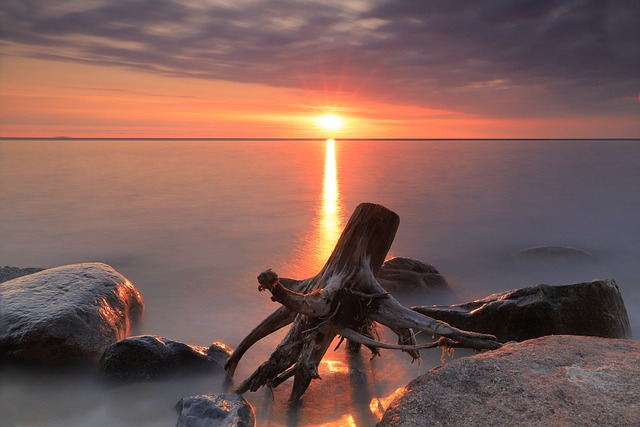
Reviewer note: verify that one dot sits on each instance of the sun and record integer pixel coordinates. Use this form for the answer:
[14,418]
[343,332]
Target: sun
[330,122]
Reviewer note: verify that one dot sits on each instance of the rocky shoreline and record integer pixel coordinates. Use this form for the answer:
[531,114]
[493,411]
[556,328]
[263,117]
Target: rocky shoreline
[574,365]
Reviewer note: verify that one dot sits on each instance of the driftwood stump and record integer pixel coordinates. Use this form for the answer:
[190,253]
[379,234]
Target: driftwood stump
[343,299]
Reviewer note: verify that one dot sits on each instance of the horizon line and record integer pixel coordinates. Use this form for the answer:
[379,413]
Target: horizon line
[72,138]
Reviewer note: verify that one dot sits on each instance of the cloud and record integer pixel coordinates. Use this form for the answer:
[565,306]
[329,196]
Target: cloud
[517,58]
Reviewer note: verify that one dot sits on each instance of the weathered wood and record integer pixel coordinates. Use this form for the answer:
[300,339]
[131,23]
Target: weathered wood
[344,299]
[276,320]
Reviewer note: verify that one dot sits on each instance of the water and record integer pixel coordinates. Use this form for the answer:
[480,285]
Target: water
[191,224]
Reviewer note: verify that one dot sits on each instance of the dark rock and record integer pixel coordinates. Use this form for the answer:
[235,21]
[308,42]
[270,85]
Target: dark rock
[10,273]
[150,357]
[215,410]
[407,275]
[593,308]
[549,381]
[66,315]
[550,252]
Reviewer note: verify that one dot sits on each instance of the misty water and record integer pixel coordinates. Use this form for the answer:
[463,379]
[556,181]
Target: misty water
[192,223]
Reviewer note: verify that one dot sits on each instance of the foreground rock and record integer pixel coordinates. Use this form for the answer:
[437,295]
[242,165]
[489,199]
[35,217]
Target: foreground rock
[549,381]
[150,357]
[215,410]
[407,275]
[594,308]
[66,315]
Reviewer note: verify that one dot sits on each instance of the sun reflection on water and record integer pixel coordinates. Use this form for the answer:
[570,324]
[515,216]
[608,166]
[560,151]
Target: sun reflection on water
[345,421]
[334,366]
[330,211]
[380,404]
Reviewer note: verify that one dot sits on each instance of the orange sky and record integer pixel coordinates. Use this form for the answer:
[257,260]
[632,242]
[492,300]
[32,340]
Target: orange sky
[86,71]
[47,99]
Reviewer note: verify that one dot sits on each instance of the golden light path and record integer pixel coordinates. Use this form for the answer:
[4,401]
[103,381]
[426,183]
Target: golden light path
[327,222]
[328,226]
[330,213]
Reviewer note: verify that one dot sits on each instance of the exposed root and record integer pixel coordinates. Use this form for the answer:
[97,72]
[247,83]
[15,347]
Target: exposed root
[344,299]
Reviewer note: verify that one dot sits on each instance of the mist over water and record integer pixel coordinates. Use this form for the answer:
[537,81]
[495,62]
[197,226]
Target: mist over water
[192,223]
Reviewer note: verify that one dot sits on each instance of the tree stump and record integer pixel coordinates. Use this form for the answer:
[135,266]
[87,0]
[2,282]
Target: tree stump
[343,299]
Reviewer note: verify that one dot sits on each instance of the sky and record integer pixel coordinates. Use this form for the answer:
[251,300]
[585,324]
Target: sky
[256,68]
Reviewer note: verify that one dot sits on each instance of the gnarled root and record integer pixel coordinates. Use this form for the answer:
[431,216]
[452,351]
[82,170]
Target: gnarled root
[344,299]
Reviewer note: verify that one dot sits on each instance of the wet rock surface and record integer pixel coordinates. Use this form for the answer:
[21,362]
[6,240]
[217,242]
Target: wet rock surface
[549,381]
[150,357]
[408,275]
[592,308]
[215,410]
[66,315]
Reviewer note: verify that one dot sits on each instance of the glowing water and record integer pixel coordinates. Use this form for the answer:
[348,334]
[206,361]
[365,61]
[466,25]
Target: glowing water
[192,223]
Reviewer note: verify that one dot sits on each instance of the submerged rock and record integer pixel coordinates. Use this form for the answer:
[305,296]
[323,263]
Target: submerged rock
[549,381]
[10,273]
[407,275]
[550,252]
[150,357]
[593,308]
[66,314]
[215,410]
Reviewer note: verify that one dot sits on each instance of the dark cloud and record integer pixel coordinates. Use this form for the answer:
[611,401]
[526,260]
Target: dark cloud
[495,57]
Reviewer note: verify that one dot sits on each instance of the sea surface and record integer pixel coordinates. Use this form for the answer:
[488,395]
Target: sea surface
[192,223]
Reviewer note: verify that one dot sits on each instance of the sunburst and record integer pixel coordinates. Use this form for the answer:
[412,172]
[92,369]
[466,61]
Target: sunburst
[330,122]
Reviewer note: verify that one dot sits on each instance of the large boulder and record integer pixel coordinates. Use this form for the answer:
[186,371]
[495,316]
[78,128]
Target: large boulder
[150,357]
[408,275]
[593,308]
[215,410]
[66,315]
[549,381]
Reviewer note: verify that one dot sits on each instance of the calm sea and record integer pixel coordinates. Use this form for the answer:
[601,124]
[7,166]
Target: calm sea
[191,224]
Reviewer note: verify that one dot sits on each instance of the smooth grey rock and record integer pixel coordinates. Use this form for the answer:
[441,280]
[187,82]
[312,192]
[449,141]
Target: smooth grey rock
[593,308]
[407,275]
[550,252]
[150,357]
[551,381]
[215,410]
[66,314]
[10,273]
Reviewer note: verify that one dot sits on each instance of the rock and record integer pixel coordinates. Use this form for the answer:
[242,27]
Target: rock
[594,308]
[549,381]
[10,273]
[150,357]
[66,315]
[550,252]
[215,410]
[407,275]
